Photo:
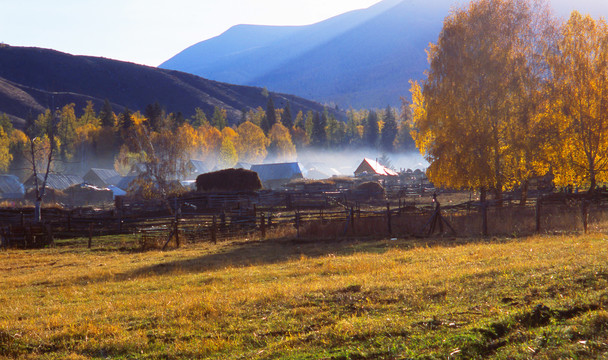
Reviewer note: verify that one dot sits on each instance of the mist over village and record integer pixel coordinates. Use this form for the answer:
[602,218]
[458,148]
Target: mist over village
[364,179]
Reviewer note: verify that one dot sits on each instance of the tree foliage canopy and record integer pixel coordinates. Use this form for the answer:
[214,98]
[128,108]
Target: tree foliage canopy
[465,113]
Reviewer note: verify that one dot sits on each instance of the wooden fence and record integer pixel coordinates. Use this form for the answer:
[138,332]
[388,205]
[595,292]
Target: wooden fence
[549,214]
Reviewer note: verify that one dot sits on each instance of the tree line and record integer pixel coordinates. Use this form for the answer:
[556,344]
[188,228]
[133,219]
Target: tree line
[165,142]
[513,93]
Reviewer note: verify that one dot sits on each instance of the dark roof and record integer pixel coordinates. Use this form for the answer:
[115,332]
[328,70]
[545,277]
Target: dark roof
[281,171]
[108,176]
[56,181]
[137,169]
[11,187]
[198,167]
[125,181]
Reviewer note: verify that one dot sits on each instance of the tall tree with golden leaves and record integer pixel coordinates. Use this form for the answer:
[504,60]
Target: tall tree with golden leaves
[252,143]
[578,109]
[464,111]
[281,147]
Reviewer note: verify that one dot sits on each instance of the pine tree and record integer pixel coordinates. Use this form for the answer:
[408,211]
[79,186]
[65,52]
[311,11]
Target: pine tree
[108,119]
[270,113]
[155,114]
[198,119]
[287,119]
[264,124]
[318,136]
[126,119]
[389,130]
[371,129]
[219,118]
[351,136]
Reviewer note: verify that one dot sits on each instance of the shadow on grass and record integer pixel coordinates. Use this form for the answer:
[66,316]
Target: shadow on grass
[272,251]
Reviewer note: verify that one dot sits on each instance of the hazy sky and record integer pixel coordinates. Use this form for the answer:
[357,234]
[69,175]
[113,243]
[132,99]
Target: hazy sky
[148,31]
[151,31]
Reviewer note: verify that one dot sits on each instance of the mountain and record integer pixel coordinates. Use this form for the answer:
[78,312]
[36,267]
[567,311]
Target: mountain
[34,79]
[363,58]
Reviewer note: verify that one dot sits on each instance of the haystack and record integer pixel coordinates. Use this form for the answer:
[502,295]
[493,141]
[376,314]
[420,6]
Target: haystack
[371,189]
[229,180]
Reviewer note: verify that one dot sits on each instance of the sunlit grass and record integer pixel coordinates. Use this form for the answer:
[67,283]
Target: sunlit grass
[541,296]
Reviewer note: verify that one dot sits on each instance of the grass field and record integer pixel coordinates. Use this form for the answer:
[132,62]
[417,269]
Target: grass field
[539,297]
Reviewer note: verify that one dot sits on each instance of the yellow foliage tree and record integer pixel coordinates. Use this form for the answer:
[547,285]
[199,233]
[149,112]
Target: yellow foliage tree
[19,145]
[210,141]
[227,156]
[230,134]
[5,154]
[465,111]
[578,107]
[252,143]
[281,147]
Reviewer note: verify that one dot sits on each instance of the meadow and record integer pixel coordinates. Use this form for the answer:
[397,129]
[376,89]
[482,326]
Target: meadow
[541,297]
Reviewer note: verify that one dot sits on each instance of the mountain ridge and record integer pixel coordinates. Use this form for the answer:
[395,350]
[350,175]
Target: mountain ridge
[34,79]
[330,61]
[313,67]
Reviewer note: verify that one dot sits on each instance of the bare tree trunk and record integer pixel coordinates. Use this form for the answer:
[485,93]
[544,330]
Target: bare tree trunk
[40,190]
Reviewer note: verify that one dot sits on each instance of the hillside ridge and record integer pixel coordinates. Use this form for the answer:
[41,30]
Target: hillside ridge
[34,79]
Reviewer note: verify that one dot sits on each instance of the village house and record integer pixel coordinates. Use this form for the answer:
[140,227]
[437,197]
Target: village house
[369,167]
[102,178]
[274,176]
[11,188]
[54,181]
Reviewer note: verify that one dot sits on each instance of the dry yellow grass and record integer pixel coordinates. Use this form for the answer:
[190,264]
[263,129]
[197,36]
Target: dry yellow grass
[295,299]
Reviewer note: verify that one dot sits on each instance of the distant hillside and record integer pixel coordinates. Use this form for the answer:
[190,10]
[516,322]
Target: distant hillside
[33,79]
[363,58]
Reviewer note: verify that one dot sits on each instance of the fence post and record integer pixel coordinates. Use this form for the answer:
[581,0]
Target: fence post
[223,220]
[388,218]
[484,216]
[297,220]
[176,230]
[213,230]
[585,215]
[263,226]
[90,235]
[538,214]
[352,219]
[69,220]
[49,231]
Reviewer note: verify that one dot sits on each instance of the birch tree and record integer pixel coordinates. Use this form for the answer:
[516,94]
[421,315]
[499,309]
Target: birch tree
[578,110]
[466,109]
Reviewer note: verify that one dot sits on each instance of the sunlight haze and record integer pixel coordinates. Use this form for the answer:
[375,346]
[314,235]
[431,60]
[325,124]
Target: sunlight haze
[148,32]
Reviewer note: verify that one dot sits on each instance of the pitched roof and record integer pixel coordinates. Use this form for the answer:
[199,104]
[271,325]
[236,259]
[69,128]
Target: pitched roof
[109,176]
[125,181]
[280,171]
[10,186]
[242,165]
[198,167]
[56,181]
[375,167]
